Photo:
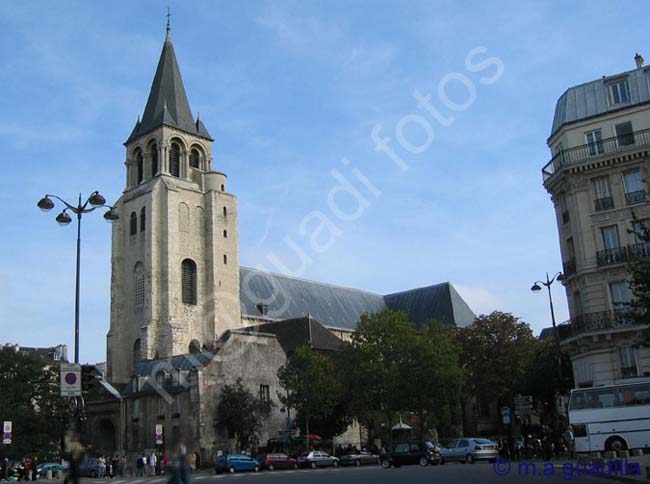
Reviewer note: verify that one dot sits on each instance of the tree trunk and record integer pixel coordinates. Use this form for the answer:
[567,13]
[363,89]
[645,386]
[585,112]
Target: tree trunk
[307,432]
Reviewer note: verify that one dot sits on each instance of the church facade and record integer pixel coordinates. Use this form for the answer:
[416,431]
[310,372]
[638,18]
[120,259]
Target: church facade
[186,319]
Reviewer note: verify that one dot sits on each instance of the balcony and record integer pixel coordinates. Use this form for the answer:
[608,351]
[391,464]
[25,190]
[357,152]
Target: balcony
[593,322]
[618,255]
[591,151]
[632,198]
[569,267]
[604,203]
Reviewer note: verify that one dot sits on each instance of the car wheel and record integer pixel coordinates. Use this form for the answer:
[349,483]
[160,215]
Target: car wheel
[335,463]
[270,467]
[256,469]
[424,461]
[313,465]
[615,444]
[385,463]
[231,469]
[469,458]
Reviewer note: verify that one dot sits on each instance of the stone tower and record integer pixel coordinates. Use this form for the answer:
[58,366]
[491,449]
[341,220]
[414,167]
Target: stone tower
[175,265]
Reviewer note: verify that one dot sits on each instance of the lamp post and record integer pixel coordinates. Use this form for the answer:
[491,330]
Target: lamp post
[93,202]
[559,277]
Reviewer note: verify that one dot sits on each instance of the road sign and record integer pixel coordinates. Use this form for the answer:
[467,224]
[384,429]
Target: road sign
[6,432]
[523,400]
[505,412]
[70,380]
[159,434]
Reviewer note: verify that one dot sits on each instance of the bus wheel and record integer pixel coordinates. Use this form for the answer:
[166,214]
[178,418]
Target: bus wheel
[615,444]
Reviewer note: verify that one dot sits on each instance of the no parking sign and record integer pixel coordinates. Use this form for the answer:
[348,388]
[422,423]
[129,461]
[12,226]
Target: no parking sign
[70,380]
[6,434]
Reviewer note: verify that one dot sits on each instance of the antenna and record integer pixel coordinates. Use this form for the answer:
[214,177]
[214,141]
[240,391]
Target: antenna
[169,14]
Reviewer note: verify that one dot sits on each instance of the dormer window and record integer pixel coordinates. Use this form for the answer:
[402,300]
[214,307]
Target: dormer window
[618,92]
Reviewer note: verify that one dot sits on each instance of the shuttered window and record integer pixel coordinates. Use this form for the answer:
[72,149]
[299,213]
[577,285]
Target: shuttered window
[139,167]
[143,219]
[175,160]
[139,285]
[134,223]
[194,158]
[154,159]
[188,276]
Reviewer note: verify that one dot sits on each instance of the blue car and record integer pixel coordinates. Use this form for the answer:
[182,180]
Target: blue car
[235,463]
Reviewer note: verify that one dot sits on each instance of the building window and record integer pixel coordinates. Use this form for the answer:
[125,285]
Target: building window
[627,358]
[595,142]
[137,351]
[188,276]
[621,295]
[562,208]
[154,159]
[194,158]
[143,219]
[577,304]
[176,406]
[223,188]
[225,259]
[634,190]
[175,160]
[618,92]
[603,199]
[225,234]
[139,163]
[134,224]
[139,285]
[265,393]
[263,309]
[638,229]
[195,346]
[225,212]
[624,134]
[610,237]
[135,413]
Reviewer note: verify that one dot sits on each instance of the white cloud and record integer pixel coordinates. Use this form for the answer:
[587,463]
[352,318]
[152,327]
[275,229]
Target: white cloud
[480,300]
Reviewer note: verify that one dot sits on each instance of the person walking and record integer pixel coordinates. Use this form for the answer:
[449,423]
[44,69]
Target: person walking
[139,466]
[152,464]
[74,450]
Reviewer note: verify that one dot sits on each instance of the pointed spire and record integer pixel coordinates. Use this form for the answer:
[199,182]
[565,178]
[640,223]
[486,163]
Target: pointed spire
[167,103]
[168,28]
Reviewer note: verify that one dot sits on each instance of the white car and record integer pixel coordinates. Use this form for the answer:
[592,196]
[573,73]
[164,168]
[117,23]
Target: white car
[470,449]
[316,458]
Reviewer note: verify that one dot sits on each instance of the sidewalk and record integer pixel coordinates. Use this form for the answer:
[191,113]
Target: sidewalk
[643,461]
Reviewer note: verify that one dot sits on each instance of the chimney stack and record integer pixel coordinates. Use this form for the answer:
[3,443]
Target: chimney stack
[639,60]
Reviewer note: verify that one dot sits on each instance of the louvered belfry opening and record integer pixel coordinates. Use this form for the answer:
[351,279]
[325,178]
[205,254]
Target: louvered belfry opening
[188,269]
[194,158]
[175,160]
[154,159]
[140,167]
[143,219]
[133,221]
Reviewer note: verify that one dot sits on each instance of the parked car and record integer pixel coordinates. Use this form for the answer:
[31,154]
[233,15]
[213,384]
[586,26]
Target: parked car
[359,458]
[316,458]
[89,468]
[277,461]
[406,454]
[235,463]
[42,469]
[469,449]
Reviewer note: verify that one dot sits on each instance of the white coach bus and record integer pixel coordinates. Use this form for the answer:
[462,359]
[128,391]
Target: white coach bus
[614,417]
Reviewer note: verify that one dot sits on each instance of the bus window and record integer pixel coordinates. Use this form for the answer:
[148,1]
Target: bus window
[642,394]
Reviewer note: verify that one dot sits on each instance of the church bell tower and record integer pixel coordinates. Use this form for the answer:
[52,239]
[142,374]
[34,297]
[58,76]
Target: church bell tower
[175,264]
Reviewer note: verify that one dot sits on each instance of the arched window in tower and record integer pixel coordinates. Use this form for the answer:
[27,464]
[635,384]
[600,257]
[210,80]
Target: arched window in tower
[194,158]
[138,283]
[188,281]
[134,223]
[137,352]
[175,160]
[143,219]
[195,346]
[154,159]
[139,167]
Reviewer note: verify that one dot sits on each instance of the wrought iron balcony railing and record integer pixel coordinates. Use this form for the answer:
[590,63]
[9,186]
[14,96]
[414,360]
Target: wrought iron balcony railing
[598,149]
[634,197]
[604,203]
[588,323]
[618,255]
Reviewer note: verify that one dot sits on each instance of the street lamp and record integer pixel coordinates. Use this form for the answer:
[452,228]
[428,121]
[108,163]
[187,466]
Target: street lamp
[93,202]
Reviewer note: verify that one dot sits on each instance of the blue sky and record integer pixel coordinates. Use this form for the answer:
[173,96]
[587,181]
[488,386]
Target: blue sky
[288,89]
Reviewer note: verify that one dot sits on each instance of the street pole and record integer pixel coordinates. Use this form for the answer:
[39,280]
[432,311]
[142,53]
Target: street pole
[76,303]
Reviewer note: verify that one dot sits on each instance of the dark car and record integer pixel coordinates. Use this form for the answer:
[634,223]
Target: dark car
[407,454]
[359,458]
[89,468]
[277,461]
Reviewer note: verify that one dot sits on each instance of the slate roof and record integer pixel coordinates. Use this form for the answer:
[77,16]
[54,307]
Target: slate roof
[341,307]
[167,103]
[546,333]
[591,98]
[306,331]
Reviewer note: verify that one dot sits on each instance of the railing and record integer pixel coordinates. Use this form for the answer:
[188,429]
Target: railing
[634,197]
[587,323]
[569,267]
[618,255]
[589,151]
[604,203]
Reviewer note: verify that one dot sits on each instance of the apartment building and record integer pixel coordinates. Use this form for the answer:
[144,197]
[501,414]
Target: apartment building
[598,178]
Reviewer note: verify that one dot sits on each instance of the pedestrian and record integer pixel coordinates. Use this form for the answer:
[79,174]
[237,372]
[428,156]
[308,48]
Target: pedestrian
[102,466]
[115,462]
[152,464]
[139,466]
[74,450]
[570,442]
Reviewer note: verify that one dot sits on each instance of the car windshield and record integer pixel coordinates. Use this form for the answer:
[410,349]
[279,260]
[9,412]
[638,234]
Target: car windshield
[483,441]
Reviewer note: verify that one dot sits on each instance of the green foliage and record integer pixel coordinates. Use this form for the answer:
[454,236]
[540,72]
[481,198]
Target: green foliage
[639,268]
[541,378]
[496,351]
[31,400]
[241,413]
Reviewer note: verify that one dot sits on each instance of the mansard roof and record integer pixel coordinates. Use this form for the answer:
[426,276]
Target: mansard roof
[167,103]
[341,307]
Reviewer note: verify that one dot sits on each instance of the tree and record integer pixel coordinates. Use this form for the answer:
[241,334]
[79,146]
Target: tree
[241,413]
[496,351]
[31,401]
[639,267]
[309,381]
